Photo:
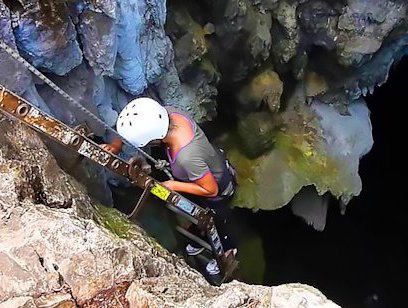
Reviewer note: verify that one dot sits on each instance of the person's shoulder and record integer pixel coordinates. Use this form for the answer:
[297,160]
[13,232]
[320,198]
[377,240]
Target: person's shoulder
[189,153]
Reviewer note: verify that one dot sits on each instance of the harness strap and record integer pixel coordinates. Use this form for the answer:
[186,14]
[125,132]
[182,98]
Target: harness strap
[228,182]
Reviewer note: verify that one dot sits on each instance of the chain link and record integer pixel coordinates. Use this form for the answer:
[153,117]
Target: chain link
[161,164]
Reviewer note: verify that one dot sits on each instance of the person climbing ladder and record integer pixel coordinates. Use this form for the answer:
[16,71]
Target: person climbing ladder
[200,169]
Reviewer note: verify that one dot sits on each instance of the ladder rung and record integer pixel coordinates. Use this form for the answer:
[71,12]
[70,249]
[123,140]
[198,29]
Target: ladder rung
[140,202]
[193,237]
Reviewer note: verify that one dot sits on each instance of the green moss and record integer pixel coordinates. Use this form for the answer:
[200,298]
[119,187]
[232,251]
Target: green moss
[245,196]
[300,154]
[308,160]
[115,221]
[298,158]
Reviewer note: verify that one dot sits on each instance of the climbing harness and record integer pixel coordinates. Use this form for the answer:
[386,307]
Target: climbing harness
[78,139]
[15,55]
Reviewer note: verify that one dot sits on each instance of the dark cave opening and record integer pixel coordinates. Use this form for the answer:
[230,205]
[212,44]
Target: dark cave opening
[360,259]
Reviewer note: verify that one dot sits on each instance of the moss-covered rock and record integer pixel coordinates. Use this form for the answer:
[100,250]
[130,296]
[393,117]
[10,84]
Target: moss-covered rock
[257,133]
[316,145]
[315,84]
[114,221]
[266,87]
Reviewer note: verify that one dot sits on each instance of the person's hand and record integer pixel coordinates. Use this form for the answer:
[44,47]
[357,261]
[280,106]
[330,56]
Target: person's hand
[110,148]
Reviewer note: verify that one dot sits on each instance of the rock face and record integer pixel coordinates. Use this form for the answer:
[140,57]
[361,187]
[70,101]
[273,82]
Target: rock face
[293,73]
[46,36]
[254,53]
[314,146]
[16,78]
[59,249]
[335,52]
[246,57]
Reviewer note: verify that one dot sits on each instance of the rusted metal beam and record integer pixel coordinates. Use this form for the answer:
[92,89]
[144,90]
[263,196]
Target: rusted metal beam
[77,139]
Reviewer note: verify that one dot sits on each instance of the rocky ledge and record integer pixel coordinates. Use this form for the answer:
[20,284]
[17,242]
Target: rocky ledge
[59,248]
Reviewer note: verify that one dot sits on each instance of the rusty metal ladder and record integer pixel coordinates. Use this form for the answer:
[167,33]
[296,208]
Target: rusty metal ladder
[78,140]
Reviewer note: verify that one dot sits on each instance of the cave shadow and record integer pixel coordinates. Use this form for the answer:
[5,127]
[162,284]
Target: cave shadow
[360,259]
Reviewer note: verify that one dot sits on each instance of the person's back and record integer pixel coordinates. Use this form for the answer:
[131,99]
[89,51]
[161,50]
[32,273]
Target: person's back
[197,157]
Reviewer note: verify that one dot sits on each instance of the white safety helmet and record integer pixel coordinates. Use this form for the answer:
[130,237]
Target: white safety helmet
[143,120]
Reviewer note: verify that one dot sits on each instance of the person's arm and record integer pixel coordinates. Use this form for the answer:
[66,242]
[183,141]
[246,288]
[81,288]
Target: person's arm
[206,186]
[114,147]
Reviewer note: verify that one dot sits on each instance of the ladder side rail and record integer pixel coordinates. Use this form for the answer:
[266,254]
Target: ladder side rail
[19,108]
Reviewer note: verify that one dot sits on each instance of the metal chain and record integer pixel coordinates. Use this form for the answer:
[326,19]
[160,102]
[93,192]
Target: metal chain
[159,164]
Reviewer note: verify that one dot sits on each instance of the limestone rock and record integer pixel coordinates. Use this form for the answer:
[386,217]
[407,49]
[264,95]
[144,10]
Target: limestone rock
[364,25]
[286,37]
[316,145]
[51,237]
[314,84]
[196,69]
[13,75]
[46,36]
[257,132]
[99,40]
[318,23]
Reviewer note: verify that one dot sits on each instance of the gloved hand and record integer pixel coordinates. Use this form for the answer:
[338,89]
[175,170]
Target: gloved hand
[161,164]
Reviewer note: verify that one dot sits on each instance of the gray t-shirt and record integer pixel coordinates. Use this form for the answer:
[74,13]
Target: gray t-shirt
[197,157]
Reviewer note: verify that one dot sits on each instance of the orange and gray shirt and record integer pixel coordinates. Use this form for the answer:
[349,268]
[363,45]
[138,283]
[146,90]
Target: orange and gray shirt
[198,157]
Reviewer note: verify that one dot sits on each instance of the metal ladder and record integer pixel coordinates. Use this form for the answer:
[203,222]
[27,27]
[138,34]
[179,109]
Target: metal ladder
[78,140]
